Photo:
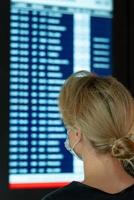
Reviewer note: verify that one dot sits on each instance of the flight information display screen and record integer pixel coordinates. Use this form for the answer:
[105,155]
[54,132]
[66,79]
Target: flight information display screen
[49,40]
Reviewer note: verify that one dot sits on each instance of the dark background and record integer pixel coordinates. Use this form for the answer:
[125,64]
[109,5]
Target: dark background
[123,42]
[123,70]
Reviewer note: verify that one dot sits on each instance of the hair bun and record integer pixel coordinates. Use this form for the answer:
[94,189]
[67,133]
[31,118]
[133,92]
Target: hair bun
[123,148]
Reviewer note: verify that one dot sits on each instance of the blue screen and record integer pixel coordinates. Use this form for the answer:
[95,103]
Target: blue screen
[49,40]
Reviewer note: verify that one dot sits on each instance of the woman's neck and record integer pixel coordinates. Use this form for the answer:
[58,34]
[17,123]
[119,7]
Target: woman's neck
[106,173]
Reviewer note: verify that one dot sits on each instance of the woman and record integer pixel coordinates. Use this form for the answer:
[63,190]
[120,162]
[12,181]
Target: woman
[98,113]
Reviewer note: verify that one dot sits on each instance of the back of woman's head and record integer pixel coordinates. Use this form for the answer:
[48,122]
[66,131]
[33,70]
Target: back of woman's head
[104,111]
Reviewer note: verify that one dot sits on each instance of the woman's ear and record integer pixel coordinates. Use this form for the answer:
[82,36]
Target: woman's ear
[78,133]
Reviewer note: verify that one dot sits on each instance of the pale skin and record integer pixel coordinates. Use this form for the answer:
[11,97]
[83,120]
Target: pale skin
[101,171]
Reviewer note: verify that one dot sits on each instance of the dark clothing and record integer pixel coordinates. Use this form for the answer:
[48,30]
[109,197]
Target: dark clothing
[79,191]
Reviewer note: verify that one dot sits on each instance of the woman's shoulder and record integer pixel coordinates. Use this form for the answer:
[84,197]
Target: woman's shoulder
[77,190]
[65,192]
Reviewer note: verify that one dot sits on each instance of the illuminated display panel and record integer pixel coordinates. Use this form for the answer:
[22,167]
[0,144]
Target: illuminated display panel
[49,40]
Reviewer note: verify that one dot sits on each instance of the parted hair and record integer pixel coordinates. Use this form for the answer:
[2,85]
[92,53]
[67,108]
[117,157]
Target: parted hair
[104,111]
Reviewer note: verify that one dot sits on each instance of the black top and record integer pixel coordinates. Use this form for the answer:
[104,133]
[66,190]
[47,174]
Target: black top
[79,191]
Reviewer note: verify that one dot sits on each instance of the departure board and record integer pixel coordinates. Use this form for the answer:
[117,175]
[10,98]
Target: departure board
[49,40]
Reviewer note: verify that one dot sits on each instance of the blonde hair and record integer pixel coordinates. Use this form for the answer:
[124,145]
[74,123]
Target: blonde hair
[104,111]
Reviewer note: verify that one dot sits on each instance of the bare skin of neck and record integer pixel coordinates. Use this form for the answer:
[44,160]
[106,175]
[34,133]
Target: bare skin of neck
[104,172]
